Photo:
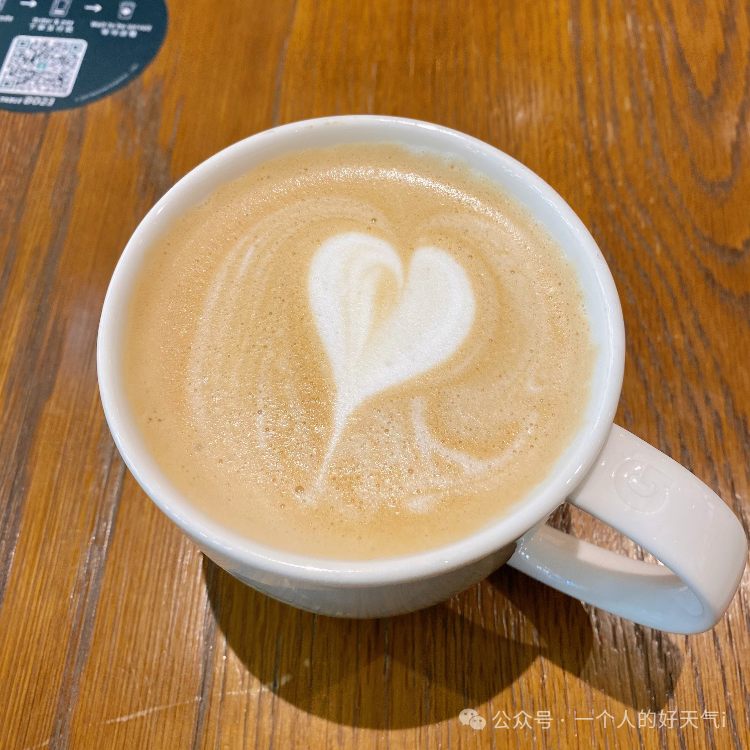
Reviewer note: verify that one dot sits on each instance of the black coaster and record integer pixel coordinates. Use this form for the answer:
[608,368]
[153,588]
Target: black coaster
[59,54]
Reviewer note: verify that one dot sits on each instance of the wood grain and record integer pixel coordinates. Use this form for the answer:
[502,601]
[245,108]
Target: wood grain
[116,633]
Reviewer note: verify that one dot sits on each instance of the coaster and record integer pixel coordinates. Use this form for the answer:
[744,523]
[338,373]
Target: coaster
[60,54]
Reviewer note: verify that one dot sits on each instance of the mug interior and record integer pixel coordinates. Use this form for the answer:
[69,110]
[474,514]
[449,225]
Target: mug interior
[601,300]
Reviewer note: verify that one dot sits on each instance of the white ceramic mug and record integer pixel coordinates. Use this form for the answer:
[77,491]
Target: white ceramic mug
[606,471]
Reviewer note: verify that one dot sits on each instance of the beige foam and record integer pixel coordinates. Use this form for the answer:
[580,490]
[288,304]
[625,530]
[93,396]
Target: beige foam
[234,392]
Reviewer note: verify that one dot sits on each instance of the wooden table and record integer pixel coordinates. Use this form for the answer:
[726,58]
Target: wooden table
[115,632]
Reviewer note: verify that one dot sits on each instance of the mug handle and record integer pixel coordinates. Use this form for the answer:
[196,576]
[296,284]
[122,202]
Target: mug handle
[669,512]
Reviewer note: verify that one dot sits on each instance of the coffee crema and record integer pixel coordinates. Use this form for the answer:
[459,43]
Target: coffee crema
[357,352]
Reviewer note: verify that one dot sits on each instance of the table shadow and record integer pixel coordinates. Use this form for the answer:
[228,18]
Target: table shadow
[426,667]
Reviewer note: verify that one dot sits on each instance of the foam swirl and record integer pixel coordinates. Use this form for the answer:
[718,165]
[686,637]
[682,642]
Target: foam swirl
[348,344]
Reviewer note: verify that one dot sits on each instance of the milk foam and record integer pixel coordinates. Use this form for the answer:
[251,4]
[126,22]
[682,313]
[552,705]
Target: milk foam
[432,314]
[357,351]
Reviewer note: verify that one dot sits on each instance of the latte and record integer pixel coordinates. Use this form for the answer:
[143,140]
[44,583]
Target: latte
[357,352]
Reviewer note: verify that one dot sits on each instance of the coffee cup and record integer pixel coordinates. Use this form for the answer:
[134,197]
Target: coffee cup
[605,470]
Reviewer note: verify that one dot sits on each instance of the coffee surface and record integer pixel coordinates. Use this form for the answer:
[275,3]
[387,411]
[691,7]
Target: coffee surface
[357,352]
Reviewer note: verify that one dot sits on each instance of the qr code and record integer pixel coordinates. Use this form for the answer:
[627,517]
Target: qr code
[42,65]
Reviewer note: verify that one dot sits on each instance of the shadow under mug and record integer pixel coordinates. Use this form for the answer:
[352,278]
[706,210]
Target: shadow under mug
[605,471]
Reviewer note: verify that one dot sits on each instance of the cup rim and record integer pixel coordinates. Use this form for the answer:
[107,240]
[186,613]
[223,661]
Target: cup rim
[526,514]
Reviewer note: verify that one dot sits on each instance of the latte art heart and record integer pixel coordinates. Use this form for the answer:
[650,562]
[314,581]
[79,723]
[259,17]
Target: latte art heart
[432,315]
